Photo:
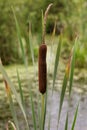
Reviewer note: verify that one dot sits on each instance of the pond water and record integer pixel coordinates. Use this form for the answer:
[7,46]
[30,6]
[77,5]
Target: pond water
[79,94]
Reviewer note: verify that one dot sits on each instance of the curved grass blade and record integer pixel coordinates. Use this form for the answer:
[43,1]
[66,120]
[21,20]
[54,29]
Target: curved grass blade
[57,60]
[12,124]
[12,87]
[75,117]
[9,95]
[72,67]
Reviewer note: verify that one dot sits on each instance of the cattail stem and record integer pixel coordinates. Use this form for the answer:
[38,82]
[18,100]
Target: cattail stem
[42,68]
[42,111]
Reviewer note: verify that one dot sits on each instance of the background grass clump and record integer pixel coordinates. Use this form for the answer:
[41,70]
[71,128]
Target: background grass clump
[71,17]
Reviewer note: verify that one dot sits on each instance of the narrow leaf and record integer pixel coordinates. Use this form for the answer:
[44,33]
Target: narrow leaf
[72,67]
[19,37]
[49,122]
[62,95]
[20,88]
[33,112]
[31,45]
[57,60]
[66,123]
[75,117]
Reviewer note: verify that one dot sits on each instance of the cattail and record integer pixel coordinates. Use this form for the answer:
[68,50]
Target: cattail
[42,68]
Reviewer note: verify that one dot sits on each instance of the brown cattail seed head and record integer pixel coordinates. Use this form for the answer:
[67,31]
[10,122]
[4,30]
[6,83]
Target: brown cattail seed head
[42,68]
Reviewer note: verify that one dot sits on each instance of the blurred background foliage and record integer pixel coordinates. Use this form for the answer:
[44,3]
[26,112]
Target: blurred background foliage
[69,15]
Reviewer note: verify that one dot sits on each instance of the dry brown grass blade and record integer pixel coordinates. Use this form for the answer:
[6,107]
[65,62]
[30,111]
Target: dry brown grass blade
[12,124]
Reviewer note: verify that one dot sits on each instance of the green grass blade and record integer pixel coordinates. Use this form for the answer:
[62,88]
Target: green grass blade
[75,117]
[49,122]
[20,89]
[33,112]
[11,85]
[57,60]
[66,123]
[19,37]
[31,45]
[72,67]
[62,95]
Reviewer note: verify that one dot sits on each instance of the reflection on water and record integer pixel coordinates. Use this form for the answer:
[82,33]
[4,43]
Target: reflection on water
[79,94]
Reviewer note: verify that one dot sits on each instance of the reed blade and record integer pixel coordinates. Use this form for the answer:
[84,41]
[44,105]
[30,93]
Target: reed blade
[33,111]
[19,37]
[66,123]
[20,89]
[62,96]
[72,67]
[75,117]
[57,60]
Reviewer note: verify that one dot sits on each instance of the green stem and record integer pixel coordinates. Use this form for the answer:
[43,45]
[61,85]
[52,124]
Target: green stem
[42,111]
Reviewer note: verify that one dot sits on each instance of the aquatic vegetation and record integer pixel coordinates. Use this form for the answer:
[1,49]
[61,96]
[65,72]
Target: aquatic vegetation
[43,86]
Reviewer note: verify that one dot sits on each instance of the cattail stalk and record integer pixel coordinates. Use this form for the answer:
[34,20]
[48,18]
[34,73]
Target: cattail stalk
[42,67]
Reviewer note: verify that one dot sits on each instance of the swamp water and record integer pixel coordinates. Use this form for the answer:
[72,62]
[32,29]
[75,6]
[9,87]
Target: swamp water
[79,94]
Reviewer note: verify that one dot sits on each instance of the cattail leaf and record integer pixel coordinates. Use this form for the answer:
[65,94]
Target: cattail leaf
[57,60]
[19,36]
[75,117]
[66,123]
[20,88]
[62,95]
[31,45]
[33,111]
[72,67]
[12,87]
[49,120]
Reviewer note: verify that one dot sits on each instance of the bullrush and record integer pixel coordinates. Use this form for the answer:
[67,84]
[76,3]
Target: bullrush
[42,67]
